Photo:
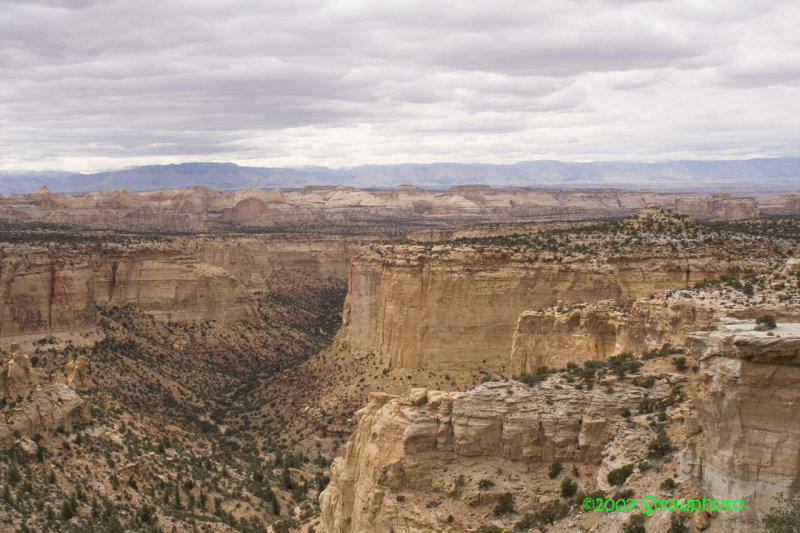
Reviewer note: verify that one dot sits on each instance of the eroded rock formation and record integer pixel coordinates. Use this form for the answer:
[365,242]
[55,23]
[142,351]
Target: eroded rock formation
[432,444]
[31,405]
[746,394]
[46,290]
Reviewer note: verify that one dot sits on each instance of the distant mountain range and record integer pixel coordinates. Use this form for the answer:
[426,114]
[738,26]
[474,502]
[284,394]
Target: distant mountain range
[736,176]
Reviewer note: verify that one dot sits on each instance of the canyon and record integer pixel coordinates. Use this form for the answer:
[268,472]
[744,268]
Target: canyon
[440,364]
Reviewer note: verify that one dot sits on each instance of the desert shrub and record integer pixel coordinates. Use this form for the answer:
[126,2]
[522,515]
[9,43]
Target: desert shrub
[783,519]
[765,322]
[505,504]
[568,487]
[644,382]
[680,363]
[667,484]
[555,469]
[618,476]
[677,523]
[660,446]
[635,524]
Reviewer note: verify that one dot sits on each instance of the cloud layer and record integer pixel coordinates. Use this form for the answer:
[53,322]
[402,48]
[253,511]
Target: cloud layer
[88,85]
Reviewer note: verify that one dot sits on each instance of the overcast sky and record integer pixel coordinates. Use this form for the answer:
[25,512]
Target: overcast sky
[89,85]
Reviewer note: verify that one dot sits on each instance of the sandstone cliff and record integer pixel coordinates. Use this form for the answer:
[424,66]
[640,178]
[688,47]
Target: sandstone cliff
[717,207]
[577,333]
[254,259]
[437,446]
[58,288]
[746,395]
[455,306]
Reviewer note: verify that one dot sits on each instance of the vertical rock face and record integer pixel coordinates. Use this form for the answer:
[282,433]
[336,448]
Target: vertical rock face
[746,395]
[181,288]
[45,290]
[253,260]
[597,331]
[717,207]
[453,307]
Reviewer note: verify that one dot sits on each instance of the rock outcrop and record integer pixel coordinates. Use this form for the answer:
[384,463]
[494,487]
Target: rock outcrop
[717,207]
[556,336]
[432,445]
[17,377]
[76,373]
[746,395]
[30,405]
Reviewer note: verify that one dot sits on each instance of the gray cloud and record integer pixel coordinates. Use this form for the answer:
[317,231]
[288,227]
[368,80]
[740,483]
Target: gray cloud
[92,84]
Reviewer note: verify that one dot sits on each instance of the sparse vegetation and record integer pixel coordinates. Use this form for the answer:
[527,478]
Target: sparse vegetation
[617,477]
[785,518]
[766,322]
[555,469]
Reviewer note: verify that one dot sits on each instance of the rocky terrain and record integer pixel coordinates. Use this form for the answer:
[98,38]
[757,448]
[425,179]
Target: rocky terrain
[326,209]
[700,417]
[167,381]
[32,405]
[455,305]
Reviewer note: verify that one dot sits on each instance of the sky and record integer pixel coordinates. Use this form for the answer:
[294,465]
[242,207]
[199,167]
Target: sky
[96,85]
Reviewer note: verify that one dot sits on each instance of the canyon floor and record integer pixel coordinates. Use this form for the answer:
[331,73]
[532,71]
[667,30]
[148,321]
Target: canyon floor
[404,376]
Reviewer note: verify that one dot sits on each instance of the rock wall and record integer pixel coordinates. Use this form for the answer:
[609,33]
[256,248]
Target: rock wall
[434,443]
[746,394]
[453,307]
[555,337]
[253,260]
[45,290]
[717,207]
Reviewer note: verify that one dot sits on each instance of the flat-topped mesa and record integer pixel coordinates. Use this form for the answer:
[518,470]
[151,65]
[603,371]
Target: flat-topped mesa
[452,307]
[746,395]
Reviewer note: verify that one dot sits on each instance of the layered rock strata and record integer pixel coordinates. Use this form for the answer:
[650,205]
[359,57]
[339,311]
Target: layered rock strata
[254,260]
[438,445]
[455,306]
[46,290]
[746,395]
[717,207]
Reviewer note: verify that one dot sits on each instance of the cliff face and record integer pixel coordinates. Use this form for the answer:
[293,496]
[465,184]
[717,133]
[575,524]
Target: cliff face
[746,395]
[58,289]
[36,405]
[253,260]
[597,331]
[452,307]
[434,445]
[717,207]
